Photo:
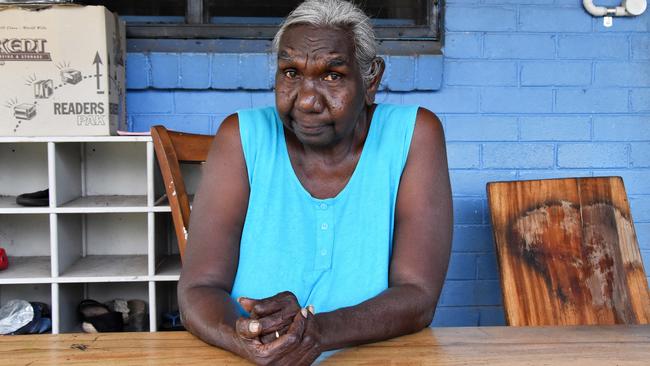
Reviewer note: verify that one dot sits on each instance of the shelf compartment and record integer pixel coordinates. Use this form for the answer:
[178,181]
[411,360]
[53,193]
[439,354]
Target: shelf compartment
[71,294]
[26,239]
[25,235]
[166,301]
[102,247]
[167,260]
[84,170]
[28,292]
[24,169]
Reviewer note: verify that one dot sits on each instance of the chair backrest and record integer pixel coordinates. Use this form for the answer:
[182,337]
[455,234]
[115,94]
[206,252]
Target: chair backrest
[173,148]
[567,252]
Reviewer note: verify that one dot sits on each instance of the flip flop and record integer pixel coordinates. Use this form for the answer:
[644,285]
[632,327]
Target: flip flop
[172,321]
[38,198]
[96,316]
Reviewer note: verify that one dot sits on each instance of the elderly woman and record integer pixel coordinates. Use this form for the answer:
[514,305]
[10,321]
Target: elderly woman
[325,221]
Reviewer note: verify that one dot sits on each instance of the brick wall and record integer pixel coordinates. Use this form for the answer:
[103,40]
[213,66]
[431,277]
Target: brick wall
[530,89]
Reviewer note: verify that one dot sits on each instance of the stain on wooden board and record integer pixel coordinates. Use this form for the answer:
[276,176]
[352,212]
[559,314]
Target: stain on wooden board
[568,257]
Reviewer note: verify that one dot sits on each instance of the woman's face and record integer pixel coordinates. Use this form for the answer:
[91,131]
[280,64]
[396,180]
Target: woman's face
[319,90]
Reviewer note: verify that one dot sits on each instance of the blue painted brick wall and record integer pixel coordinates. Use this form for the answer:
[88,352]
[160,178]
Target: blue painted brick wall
[529,89]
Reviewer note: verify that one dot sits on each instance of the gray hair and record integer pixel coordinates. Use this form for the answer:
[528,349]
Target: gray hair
[338,14]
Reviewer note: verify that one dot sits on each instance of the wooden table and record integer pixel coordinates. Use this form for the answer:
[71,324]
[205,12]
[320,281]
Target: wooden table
[503,346]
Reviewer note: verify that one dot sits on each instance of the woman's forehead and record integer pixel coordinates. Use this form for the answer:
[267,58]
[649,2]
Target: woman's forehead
[301,39]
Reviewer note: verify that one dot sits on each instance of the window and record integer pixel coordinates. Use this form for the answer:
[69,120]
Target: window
[401,25]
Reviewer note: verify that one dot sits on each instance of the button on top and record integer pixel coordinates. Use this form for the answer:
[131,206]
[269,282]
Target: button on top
[323,206]
[324,226]
[323,252]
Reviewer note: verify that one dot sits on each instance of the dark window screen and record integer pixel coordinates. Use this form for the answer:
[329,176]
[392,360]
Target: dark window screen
[415,22]
[142,7]
[383,12]
[399,12]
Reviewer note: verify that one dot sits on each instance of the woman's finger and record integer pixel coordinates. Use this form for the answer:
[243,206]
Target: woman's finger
[284,300]
[308,350]
[286,342]
[248,328]
[247,303]
[269,337]
[278,320]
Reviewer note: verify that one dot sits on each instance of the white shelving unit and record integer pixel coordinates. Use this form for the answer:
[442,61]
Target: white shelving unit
[106,233]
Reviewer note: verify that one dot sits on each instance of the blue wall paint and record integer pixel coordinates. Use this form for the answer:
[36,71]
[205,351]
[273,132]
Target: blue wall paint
[531,89]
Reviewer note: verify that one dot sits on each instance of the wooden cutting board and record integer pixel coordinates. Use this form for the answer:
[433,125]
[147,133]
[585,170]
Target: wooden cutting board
[567,252]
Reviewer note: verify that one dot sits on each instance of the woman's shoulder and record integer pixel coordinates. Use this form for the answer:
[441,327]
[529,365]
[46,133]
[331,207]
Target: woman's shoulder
[427,123]
[428,133]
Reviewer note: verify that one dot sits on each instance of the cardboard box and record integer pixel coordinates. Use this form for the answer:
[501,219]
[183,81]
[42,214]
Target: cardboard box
[62,71]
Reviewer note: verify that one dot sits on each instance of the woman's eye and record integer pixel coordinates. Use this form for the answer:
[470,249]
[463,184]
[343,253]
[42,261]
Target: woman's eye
[332,77]
[290,74]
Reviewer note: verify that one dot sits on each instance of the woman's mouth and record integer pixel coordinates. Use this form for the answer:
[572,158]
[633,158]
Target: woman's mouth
[308,128]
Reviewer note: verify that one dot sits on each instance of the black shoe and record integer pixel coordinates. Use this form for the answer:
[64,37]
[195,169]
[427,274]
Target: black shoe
[40,198]
[97,317]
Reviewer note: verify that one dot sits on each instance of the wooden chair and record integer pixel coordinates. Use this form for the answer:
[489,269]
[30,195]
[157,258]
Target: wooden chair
[173,148]
[568,253]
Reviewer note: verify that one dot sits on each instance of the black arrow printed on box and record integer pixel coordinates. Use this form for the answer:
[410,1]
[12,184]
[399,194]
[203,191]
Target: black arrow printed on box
[98,61]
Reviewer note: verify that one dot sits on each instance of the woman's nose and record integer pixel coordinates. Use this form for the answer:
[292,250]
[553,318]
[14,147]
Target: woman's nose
[309,100]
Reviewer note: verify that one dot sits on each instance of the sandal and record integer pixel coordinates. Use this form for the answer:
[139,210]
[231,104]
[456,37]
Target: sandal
[40,323]
[96,317]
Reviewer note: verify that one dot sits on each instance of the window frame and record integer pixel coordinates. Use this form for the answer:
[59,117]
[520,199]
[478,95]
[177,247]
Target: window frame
[200,35]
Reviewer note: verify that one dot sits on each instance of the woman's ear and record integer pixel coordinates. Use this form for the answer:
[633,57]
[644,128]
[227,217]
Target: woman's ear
[377,71]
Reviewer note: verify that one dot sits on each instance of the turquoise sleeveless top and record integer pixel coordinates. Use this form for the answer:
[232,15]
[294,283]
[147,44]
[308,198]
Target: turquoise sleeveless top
[332,252]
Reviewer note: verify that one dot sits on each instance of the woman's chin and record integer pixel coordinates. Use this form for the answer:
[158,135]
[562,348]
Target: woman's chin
[318,136]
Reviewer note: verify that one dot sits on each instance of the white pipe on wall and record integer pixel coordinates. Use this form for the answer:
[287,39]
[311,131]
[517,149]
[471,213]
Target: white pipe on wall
[628,8]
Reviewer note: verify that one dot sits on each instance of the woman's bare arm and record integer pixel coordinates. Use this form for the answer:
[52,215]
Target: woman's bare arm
[212,254]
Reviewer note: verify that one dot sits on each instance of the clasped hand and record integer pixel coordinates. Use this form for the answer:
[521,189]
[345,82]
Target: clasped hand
[278,331]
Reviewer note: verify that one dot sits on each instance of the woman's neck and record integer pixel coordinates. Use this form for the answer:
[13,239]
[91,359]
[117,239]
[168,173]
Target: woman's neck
[349,146]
